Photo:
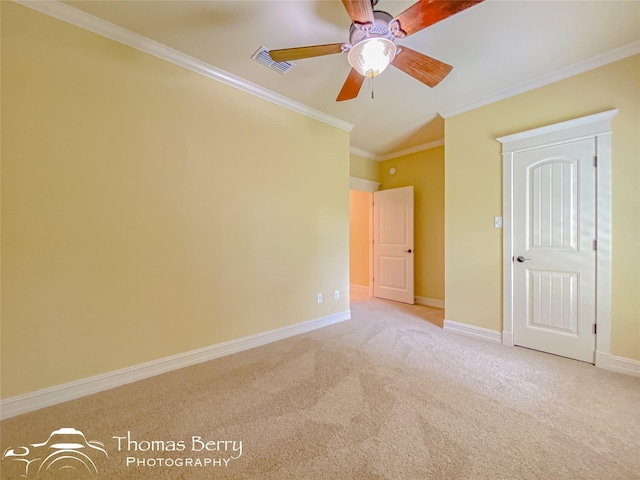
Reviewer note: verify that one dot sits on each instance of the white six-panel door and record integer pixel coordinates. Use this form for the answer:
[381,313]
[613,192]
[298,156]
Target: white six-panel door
[393,264]
[554,264]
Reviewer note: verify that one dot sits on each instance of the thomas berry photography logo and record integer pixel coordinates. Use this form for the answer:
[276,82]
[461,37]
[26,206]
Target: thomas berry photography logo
[65,454]
[197,452]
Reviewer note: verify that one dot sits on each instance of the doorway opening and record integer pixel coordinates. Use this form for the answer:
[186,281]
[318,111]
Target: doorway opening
[360,239]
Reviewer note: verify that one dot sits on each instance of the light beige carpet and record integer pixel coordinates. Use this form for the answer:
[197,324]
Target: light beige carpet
[386,395]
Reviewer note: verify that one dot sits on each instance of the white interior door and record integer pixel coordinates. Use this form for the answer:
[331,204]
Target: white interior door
[554,264]
[393,244]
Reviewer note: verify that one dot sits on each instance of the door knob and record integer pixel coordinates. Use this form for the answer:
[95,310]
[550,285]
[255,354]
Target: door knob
[408,251]
[521,259]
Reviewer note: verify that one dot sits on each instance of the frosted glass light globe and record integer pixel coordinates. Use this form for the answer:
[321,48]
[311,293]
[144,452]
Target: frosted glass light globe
[372,55]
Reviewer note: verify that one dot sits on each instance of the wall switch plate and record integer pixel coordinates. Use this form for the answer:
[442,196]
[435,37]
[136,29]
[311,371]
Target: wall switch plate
[319,298]
[336,295]
[497,222]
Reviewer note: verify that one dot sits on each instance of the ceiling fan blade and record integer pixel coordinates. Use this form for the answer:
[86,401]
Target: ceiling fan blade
[427,12]
[425,69]
[297,53]
[359,11]
[351,86]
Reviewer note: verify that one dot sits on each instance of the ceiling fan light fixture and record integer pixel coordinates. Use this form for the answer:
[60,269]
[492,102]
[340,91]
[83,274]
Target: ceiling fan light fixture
[372,55]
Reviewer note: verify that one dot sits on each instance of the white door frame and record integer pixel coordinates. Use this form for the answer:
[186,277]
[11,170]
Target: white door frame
[596,126]
[363,185]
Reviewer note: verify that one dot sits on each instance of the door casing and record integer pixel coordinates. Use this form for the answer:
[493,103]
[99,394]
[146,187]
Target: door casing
[363,185]
[596,126]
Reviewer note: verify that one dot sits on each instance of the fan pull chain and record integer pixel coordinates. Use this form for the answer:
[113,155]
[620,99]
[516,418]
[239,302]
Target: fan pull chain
[371,85]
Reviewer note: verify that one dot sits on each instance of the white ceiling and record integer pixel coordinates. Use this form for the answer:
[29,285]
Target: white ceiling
[494,46]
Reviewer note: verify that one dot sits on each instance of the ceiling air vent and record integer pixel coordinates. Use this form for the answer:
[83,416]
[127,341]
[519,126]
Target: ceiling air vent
[262,56]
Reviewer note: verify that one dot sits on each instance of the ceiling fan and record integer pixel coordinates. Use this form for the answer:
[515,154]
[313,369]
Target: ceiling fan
[371,47]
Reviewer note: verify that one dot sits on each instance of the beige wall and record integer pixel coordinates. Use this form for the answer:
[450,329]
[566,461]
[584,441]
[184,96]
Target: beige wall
[360,204]
[361,167]
[425,171]
[473,184]
[148,211]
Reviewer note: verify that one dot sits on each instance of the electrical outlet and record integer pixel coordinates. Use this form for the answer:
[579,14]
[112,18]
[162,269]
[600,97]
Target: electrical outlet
[319,298]
[336,295]
[497,222]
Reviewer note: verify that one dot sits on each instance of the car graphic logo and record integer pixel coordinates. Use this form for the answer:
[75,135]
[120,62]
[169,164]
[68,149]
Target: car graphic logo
[65,449]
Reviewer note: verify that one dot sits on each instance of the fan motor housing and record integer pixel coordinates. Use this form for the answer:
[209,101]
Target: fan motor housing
[379,28]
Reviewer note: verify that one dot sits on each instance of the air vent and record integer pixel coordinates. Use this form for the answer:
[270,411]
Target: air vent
[262,56]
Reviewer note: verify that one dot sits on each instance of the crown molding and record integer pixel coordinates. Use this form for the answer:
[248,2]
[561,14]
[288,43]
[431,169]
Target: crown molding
[399,153]
[409,151]
[364,153]
[89,22]
[569,71]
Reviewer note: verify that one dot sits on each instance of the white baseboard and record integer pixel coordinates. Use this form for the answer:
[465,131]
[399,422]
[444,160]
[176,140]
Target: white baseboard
[627,366]
[13,406]
[359,288]
[478,332]
[430,302]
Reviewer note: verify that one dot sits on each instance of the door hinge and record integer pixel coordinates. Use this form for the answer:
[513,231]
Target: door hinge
[595,161]
[595,245]
[595,328]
